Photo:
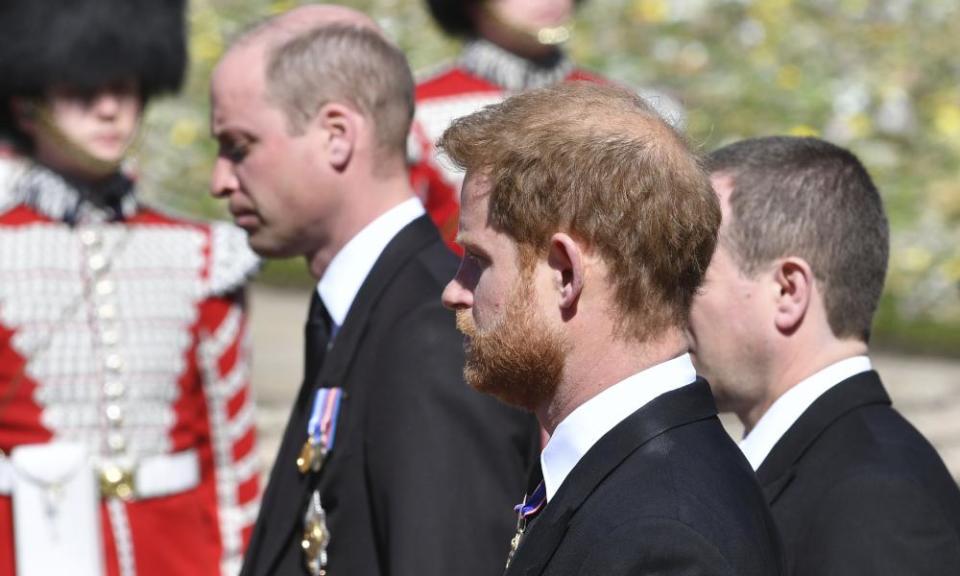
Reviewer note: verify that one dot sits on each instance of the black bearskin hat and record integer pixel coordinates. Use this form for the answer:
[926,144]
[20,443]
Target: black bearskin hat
[86,44]
[454,15]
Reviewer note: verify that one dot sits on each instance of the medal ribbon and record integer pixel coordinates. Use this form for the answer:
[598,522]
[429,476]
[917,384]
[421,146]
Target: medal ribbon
[322,427]
[530,507]
[533,504]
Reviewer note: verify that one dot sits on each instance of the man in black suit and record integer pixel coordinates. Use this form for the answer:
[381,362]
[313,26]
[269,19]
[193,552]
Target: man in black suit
[781,332]
[586,226]
[390,464]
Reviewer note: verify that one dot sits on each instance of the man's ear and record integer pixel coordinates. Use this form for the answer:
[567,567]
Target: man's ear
[566,259]
[794,280]
[340,126]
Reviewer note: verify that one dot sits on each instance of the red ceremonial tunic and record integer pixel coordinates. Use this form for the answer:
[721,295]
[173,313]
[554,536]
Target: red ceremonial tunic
[130,336]
[483,74]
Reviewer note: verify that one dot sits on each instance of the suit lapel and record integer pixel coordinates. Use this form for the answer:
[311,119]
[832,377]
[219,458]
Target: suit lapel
[773,489]
[288,490]
[405,245]
[779,467]
[670,410]
[277,510]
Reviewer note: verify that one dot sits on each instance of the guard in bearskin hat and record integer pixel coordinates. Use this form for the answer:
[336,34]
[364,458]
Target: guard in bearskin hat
[510,46]
[126,420]
[85,46]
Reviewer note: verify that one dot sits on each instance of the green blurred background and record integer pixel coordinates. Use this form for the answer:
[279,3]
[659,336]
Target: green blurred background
[881,77]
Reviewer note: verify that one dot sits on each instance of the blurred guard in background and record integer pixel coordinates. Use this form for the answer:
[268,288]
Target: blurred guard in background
[511,46]
[126,423]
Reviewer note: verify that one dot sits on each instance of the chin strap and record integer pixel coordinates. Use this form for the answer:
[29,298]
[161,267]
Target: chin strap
[554,35]
[547,36]
[41,115]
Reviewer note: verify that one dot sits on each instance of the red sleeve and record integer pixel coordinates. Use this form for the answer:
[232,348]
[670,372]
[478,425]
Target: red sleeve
[225,368]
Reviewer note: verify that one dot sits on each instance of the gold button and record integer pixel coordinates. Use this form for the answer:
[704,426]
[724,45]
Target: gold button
[114,414]
[90,237]
[113,362]
[109,337]
[104,287]
[116,442]
[113,389]
[107,312]
[97,262]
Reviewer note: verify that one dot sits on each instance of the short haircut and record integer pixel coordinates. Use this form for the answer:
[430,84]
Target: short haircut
[597,162]
[808,198]
[349,64]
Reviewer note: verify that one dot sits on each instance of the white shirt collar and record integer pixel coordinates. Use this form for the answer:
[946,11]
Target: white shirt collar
[788,408]
[351,265]
[579,431]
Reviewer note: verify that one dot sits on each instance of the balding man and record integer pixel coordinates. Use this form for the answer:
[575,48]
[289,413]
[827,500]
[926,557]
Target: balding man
[390,464]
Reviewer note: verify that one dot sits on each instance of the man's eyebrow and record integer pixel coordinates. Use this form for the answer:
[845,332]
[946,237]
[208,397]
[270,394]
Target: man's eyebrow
[466,240]
[219,130]
[231,134]
[469,244]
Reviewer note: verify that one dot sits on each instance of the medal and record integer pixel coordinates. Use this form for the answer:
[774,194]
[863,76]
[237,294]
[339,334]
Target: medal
[318,456]
[529,508]
[315,538]
[321,430]
[515,542]
[311,456]
[307,455]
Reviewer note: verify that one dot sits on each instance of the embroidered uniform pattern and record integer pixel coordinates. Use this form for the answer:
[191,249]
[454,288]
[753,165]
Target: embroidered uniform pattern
[130,336]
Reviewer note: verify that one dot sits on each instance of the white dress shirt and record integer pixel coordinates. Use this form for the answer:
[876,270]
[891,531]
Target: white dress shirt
[788,408]
[579,431]
[350,266]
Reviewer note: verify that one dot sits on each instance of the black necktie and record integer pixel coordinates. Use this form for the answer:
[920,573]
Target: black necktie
[316,339]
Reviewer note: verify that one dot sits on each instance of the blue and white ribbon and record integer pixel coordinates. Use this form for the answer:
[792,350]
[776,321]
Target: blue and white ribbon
[322,426]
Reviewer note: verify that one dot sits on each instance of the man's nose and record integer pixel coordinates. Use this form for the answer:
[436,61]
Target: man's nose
[455,296]
[223,181]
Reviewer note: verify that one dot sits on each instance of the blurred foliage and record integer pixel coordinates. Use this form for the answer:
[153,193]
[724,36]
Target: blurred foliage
[881,77]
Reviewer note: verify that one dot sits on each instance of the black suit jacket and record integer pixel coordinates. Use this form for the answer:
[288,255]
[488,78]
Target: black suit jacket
[425,470]
[855,489]
[665,492]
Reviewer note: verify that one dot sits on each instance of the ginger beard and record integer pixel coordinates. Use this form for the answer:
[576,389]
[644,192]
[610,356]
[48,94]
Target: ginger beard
[519,360]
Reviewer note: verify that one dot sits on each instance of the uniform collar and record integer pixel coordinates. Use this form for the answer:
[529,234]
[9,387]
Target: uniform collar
[512,72]
[63,200]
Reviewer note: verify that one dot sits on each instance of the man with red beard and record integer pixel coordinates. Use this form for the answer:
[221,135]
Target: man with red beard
[584,243]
